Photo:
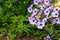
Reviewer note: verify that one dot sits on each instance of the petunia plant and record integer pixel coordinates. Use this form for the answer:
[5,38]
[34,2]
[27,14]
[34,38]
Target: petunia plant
[45,8]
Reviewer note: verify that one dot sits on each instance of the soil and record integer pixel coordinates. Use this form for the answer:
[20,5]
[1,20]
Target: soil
[26,38]
[5,37]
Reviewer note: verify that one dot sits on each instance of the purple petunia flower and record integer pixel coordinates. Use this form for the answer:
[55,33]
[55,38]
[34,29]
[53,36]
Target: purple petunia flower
[36,2]
[39,13]
[44,20]
[47,38]
[40,25]
[46,12]
[30,9]
[50,8]
[32,20]
[56,9]
[56,21]
[34,12]
[47,2]
[42,7]
[54,14]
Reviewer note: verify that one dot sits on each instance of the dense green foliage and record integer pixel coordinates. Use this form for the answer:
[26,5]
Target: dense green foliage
[14,20]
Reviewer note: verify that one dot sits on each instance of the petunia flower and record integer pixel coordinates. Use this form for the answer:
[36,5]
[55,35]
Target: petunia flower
[50,8]
[39,13]
[55,14]
[40,25]
[47,12]
[47,2]
[56,9]
[30,9]
[36,2]
[42,7]
[34,12]
[44,20]
[47,38]
[56,21]
[32,20]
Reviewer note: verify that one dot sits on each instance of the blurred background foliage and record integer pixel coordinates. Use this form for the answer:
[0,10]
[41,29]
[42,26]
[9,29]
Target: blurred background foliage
[14,20]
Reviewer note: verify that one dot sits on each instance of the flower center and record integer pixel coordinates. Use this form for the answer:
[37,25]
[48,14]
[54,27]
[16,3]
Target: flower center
[56,9]
[33,20]
[40,24]
[56,14]
[46,11]
[56,20]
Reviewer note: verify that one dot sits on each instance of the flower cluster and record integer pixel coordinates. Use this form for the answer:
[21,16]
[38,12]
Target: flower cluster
[45,8]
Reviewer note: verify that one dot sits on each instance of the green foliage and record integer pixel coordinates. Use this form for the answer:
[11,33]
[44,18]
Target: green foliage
[14,20]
